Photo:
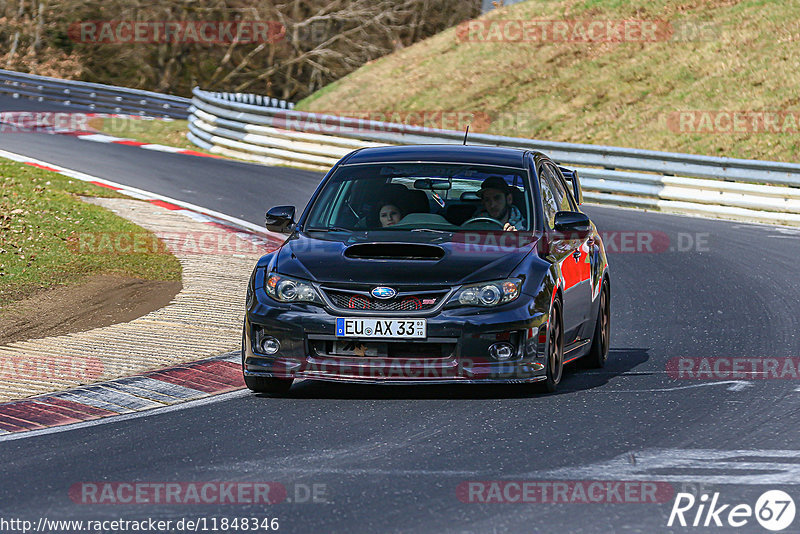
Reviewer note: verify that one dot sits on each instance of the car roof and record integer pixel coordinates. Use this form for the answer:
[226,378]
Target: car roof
[487,155]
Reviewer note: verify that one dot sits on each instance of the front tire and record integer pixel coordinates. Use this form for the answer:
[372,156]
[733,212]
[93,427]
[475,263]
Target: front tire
[598,353]
[555,351]
[264,384]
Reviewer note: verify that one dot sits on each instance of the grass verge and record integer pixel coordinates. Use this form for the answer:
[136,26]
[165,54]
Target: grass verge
[157,131]
[40,213]
[728,56]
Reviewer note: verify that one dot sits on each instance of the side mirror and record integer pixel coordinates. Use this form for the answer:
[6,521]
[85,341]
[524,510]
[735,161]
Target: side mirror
[280,219]
[571,175]
[572,225]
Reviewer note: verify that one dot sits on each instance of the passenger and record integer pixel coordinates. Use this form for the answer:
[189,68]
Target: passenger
[498,203]
[389,214]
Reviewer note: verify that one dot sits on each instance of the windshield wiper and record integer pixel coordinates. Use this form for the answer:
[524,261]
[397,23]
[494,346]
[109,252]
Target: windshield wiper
[432,230]
[330,229]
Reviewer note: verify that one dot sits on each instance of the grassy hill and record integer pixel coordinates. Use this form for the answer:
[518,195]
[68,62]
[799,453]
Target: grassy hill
[722,56]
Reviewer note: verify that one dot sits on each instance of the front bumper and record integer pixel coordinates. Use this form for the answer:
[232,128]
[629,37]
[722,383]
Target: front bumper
[456,349]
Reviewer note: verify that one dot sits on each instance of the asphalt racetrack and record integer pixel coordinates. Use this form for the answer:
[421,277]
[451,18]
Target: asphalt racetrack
[396,459]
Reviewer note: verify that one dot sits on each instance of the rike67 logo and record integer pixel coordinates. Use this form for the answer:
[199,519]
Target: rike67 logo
[774,510]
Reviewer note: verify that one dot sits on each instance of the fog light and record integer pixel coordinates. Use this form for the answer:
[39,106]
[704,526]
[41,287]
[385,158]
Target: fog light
[269,345]
[501,351]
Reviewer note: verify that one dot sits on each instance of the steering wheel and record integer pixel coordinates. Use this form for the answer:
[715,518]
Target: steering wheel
[482,219]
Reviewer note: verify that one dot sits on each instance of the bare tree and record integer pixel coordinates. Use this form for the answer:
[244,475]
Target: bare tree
[319,41]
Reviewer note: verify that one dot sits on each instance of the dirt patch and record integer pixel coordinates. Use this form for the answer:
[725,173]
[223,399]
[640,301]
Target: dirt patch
[101,301]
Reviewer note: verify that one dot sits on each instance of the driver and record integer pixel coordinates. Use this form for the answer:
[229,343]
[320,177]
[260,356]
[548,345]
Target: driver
[497,204]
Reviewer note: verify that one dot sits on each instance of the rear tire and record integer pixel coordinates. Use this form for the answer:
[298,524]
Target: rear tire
[598,353]
[555,351]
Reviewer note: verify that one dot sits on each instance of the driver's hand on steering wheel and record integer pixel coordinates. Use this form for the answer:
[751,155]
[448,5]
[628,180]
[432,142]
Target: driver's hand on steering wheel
[509,228]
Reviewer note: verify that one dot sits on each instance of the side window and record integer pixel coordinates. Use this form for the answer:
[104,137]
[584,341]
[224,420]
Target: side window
[341,213]
[330,199]
[562,195]
[549,202]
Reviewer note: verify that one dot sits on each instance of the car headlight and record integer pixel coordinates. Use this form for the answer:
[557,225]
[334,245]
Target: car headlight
[488,294]
[286,289]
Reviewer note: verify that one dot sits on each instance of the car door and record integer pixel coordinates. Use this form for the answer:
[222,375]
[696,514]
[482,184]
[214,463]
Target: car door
[569,253]
[583,254]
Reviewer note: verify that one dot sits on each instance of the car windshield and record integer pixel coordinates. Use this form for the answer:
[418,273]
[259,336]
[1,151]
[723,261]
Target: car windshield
[423,196]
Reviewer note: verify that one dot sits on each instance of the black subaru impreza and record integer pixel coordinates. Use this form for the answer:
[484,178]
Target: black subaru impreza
[430,264]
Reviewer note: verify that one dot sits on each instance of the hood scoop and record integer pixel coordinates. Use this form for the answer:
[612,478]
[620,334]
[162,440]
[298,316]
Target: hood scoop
[394,251]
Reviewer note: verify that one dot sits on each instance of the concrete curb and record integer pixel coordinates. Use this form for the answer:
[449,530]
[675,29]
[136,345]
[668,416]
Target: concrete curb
[110,139]
[155,389]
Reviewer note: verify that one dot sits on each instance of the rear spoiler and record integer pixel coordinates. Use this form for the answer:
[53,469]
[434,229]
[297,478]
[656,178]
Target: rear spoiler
[572,176]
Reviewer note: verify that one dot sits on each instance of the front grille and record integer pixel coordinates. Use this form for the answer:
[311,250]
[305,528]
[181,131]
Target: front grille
[385,349]
[348,300]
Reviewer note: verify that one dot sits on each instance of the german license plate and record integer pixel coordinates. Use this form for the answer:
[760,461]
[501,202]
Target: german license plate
[383,328]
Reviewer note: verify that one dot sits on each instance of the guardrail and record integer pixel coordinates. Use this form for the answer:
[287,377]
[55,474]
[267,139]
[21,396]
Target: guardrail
[750,190]
[93,96]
